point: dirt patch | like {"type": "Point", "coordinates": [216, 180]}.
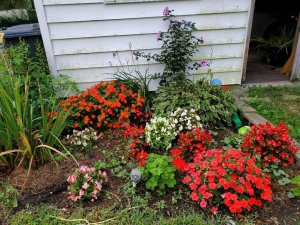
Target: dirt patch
{"type": "Point", "coordinates": [291, 97]}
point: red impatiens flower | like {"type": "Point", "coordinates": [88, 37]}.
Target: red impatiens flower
{"type": "Point", "coordinates": [217, 173]}
{"type": "Point", "coordinates": [272, 142]}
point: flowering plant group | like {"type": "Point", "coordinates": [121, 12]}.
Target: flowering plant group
{"type": "Point", "coordinates": [84, 138]}
{"type": "Point", "coordinates": [105, 105]}
{"type": "Point", "coordinates": [272, 143]}
{"type": "Point", "coordinates": [86, 183]}
{"type": "Point", "coordinates": [185, 119]}
{"type": "Point", "coordinates": [229, 178]}
{"type": "Point", "coordinates": [189, 144]}
{"type": "Point", "coordinates": [179, 45]}
{"type": "Point", "coordinates": [160, 132]}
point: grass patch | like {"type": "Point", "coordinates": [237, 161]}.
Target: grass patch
{"type": "Point", "coordinates": [51, 215]}
{"type": "Point", "coordinates": [278, 104]}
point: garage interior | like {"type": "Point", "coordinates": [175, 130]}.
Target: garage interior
{"type": "Point", "coordinates": [272, 46]}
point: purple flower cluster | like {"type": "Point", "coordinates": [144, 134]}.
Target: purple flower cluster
{"type": "Point", "coordinates": [203, 63]}
{"type": "Point", "coordinates": [166, 11]}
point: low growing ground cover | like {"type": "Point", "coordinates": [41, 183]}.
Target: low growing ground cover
{"type": "Point", "coordinates": [278, 104]}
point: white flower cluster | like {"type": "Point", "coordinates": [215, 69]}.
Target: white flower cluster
{"type": "Point", "coordinates": [83, 138]}
{"type": "Point", "coordinates": [185, 119]}
{"type": "Point", "coordinates": [160, 132]}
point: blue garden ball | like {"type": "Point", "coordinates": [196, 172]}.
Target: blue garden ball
{"type": "Point", "coordinates": [216, 82]}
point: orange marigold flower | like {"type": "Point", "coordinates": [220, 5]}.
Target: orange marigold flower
{"type": "Point", "coordinates": [76, 125]}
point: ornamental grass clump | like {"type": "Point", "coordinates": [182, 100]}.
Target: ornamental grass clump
{"type": "Point", "coordinates": [227, 178]}
{"type": "Point", "coordinates": [160, 132]}
{"type": "Point", "coordinates": [105, 105]}
{"type": "Point", "coordinates": [86, 183]}
{"type": "Point", "coordinates": [272, 143]}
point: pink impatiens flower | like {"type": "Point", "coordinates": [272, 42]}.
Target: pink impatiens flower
{"type": "Point", "coordinates": [214, 210]}
{"type": "Point", "coordinates": [203, 204]}
{"type": "Point", "coordinates": [85, 185]}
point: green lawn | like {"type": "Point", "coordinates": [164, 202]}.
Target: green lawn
{"type": "Point", "coordinates": [278, 104]}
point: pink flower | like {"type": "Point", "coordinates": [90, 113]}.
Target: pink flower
{"type": "Point", "coordinates": [166, 11]}
{"type": "Point", "coordinates": [203, 204]}
{"type": "Point", "coordinates": [159, 36]}
{"type": "Point", "coordinates": [214, 210]}
{"type": "Point", "coordinates": [203, 63]}
{"type": "Point", "coordinates": [81, 192]}
{"type": "Point", "coordinates": [85, 185]}
{"type": "Point", "coordinates": [72, 178]}
{"type": "Point", "coordinates": [194, 196]}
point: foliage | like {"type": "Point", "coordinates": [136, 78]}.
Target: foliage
{"type": "Point", "coordinates": [227, 178]}
{"type": "Point", "coordinates": [160, 132]}
{"type": "Point", "coordinates": [51, 215]}
{"type": "Point", "coordinates": [105, 105]}
{"type": "Point", "coordinates": [277, 174]}
{"type": "Point", "coordinates": [278, 104]}
{"type": "Point", "coordinates": [27, 138]}
{"type": "Point", "coordinates": [185, 119]}
{"type": "Point", "coordinates": [233, 141]}
{"type": "Point", "coordinates": [179, 45]}
{"type": "Point", "coordinates": [158, 172]}
{"type": "Point", "coordinates": [86, 183]}
{"type": "Point", "coordinates": [281, 42]}
{"type": "Point", "coordinates": [189, 144]}
{"type": "Point", "coordinates": [85, 138]}
{"type": "Point", "coordinates": [295, 192]}
{"type": "Point", "coordinates": [214, 105]}
{"type": "Point", "coordinates": [18, 62]}
{"type": "Point", "coordinates": [272, 143]}
{"type": "Point", "coordinates": [8, 195]}
{"type": "Point", "coordinates": [136, 79]}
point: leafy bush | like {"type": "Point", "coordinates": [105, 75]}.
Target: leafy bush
{"type": "Point", "coordinates": [179, 45]}
{"type": "Point", "coordinates": [227, 178]}
{"type": "Point", "coordinates": [160, 132]}
{"type": "Point", "coordinates": [214, 106]}
{"type": "Point", "coordinates": [84, 138]}
{"type": "Point", "coordinates": [18, 62]}
{"type": "Point", "coordinates": [158, 172]}
{"type": "Point", "coordinates": [272, 143]}
{"type": "Point", "coordinates": [185, 119]}
{"type": "Point", "coordinates": [105, 105]}
{"type": "Point", "coordinates": [86, 184]}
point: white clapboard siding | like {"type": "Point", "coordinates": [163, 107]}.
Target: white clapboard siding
{"type": "Point", "coordinates": [139, 42]}
{"type": "Point", "coordinates": [138, 26]}
{"type": "Point", "coordinates": [82, 35]}
{"type": "Point", "coordinates": [90, 12]}
{"type": "Point", "coordinates": [78, 61]}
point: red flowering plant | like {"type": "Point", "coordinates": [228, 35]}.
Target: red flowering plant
{"type": "Point", "coordinates": [134, 136]}
{"type": "Point", "coordinates": [227, 178]}
{"type": "Point", "coordinates": [105, 105]}
{"type": "Point", "coordinates": [272, 143]}
{"type": "Point", "coordinates": [190, 143]}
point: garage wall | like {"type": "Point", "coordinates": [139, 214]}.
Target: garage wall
{"type": "Point", "coordinates": [80, 36]}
